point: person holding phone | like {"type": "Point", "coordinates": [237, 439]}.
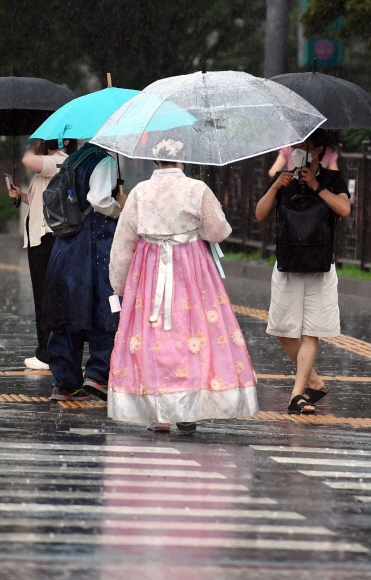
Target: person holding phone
{"type": "Point", "coordinates": [43, 157]}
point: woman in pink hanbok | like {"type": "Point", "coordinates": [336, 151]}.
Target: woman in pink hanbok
{"type": "Point", "coordinates": [179, 354]}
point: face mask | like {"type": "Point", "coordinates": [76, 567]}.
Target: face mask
{"type": "Point", "coordinates": [299, 156]}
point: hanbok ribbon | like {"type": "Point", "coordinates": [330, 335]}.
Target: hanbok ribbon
{"type": "Point", "coordinates": [164, 287]}
{"type": "Point", "coordinates": [217, 253]}
{"type": "Point", "coordinates": [165, 278]}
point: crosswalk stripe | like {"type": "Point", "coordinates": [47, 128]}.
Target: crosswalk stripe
{"type": "Point", "coordinates": [336, 474]}
{"type": "Point", "coordinates": [98, 459]}
{"type": "Point", "coordinates": [162, 525]}
{"type": "Point", "coordinates": [91, 448]}
{"type": "Point", "coordinates": [348, 485]}
{"type": "Point", "coordinates": [117, 483]}
{"type": "Point", "coordinates": [142, 497]}
{"type": "Point", "coordinates": [316, 450]}
{"type": "Point", "coordinates": [318, 461]}
{"type": "Point", "coordinates": [153, 472]}
{"type": "Point", "coordinates": [181, 541]}
{"type": "Point", "coordinates": [148, 511]}
{"type": "Point", "coordinates": [363, 498]}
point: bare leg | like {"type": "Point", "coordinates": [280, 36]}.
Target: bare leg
{"type": "Point", "coordinates": [302, 351]}
{"type": "Point", "coordinates": [305, 360]}
{"type": "Point", "coordinates": [291, 346]}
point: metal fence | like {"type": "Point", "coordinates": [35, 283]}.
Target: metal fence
{"type": "Point", "coordinates": [239, 187]}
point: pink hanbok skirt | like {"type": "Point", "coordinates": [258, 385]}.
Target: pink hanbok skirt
{"type": "Point", "coordinates": [200, 369]}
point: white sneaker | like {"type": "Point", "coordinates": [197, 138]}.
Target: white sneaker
{"type": "Point", "coordinates": [35, 364]}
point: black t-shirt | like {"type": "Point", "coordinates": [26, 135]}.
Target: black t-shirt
{"type": "Point", "coordinates": [328, 178]}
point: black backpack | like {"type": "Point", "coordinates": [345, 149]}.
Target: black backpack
{"type": "Point", "coordinates": [305, 233]}
{"type": "Point", "coordinates": [60, 204]}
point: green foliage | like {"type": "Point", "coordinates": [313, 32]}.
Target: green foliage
{"type": "Point", "coordinates": [7, 212]}
{"type": "Point", "coordinates": [353, 271]}
{"type": "Point", "coordinates": [138, 42]}
{"type": "Point", "coordinates": [345, 270]}
{"type": "Point", "coordinates": [319, 19]}
{"type": "Point", "coordinates": [236, 256]}
{"type": "Point", "coordinates": [252, 256]}
{"type": "Point", "coordinates": [320, 16]}
{"type": "Point", "coordinates": [353, 139]}
{"type": "Point", "coordinates": [271, 260]}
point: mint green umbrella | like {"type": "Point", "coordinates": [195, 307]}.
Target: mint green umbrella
{"type": "Point", "coordinates": [84, 116]}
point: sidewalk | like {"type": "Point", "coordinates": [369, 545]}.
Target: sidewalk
{"type": "Point", "coordinates": [268, 498]}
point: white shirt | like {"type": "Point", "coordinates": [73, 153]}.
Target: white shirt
{"type": "Point", "coordinates": [36, 225]}
{"type": "Point", "coordinates": [102, 181]}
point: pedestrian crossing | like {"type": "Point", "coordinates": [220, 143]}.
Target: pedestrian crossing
{"type": "Point", "coordinates": [348, 479]}
{"type": "Point", "coordinates": [143, 496]}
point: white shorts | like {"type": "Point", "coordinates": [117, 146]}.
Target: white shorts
{"type": "Point", "coordinates": [304, 304]}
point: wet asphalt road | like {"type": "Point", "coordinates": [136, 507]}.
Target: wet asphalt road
{"type": "Point", "coordinates": [83, 497]}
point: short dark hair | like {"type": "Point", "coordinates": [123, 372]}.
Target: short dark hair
{"type": "Point", "coordinates": [319, 138]}
{"type": "Point", "coordinates": [53, 144]}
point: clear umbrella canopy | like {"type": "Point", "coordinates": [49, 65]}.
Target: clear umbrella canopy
{"type": "Point", "coordinates": [217, 117]}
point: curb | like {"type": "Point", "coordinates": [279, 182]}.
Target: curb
{"type": "Point", "coordinates": [263, 273]}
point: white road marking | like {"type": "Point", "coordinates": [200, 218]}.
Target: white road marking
{"type": "Point", "coordinates": [103, 471]}
{"type": "Point", "coordinates": [337, 474]}
{"type": "Point", "coordinates": [96, 459]}
{"type": "Point", "coordinates": [348, 485]}
{"type": "Point", "coordinates": [191, 542]}
{"type": "Point", "coordinates": [142, 497]}
{"type": "Point", "coordinates": [363, 498]}
{"type": "Point", "coordinates": [166, 525]}
{"type": "Point", "coordinates": [78, 447]}
{"type": "Point", "coordinates": [106, 483]}
{"type": "Point", "coordinates": [316, 450]}
{"type": "Point", "coordinates": [317, 461]}
{"type": "Point", "coordinates": [148, 511]}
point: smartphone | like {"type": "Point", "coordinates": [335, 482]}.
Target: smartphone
{"type": "Point", "coordinates": [8, 181]}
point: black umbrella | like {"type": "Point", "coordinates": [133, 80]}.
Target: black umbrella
{"type": "Point", "coordinates": [345, 104]}
{"type": "Point", "coordinates": [25, 103]}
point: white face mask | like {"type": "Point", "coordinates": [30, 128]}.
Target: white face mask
{"type": "Point", "coordinates": [299, 156]}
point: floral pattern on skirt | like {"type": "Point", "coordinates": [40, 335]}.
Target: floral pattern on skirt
{"type": "Point", "coordinates": [200, 368]}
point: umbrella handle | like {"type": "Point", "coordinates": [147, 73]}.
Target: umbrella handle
{"type": "Point", "coordinates": [120, 183]}
{"type": "Point", "coordinates": [17, 201]}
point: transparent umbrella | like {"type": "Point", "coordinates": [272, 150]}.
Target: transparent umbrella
{"type": "Point", "coordinates": [219, 117]}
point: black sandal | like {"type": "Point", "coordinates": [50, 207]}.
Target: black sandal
{"type": "Point", "coordinates": [314, 395]}
{"type": "Point", "coordinates": [296, 408]}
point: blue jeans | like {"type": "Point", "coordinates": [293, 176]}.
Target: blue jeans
{"type": "Point", "coordinates": [65, 350]}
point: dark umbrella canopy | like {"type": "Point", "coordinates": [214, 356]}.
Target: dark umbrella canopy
{"type": "Point", "coordinates": [345, 104]}
{"type": "Point", "coordinates": [25, 103]}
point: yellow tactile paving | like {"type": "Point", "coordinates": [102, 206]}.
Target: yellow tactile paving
{"type": "Point", "coordinates": [262, 416]}
{"type": "Point", "coordinates": [21, 398]}
{"type": "Point", "coordinates": [311, 419]}
{"type": "Point", "coordinates": [254, 312]}
{"type": "Point", "coordinates": [343, 341]}
{"type": "Point", "coordinates": [14, 268]}
{"type": "Point", "coordinates": [343, 378]}
{"type": "Point", "coordinates": [352, 344]}
{"type": "Point", "coordinates": [26, 372]}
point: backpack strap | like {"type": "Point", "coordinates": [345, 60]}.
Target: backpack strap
{"type": "Point", "coordinates": [87, 211]}
{"type": "Point", "coordinates": [84, 155]}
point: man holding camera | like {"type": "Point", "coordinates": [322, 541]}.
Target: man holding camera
{"type": "Point", "coordinates": [304, 297]}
